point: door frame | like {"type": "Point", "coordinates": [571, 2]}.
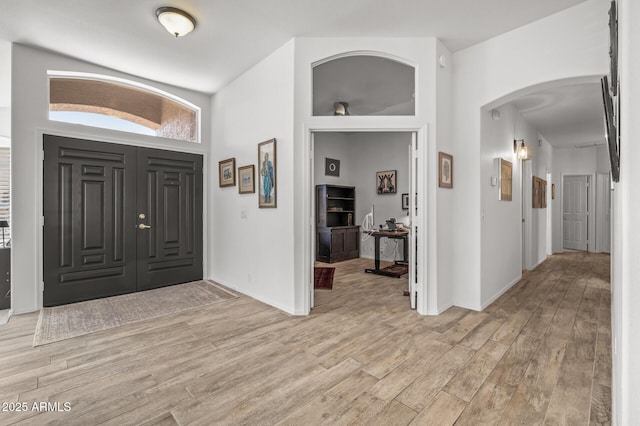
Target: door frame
{"type": "Point", "coordinates": [591, 205]}
{"type": "Point", "coordinates": [39, 202]}
{"type": "Point", "coordinates": [427, 153]}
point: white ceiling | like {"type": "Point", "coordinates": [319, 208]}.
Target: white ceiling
{"type": "Point", "coordinates": [232, 36]}
{"type": "Point", "coordinates": [566, 116]}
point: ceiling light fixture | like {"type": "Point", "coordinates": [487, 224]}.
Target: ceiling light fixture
{"type": "Point", "coordinates": [176, 21]}
{"type": "Point", "coordinates": [341, 108]}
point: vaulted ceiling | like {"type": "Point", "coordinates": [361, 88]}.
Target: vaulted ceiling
{"type": "Point", "coordinates": [232, 36]}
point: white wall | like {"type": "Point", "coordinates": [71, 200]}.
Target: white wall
{"type": "Point", "coordinates": [502, 227]}
{"type": "Point", "coordinates": [334, 145]}
{"type": "Point", "coordinates": [576, 161]}
{"type": "Point", "coordinates": [442, 293]}
{"type": "Point", "coordinates": [374, 152]}
{"type": "Point", "coordinates": [30, 107]}
{"type": "Point", "coordinates": [626, 228]}
{"type": "Point", "coordinates": [542, 157]}
{"type": "Point", "coordinates": [5, 92]}
{"type": "Point", "coordinates": [540, 52]}
{"type": "Point", "coordinates": [254, 255]}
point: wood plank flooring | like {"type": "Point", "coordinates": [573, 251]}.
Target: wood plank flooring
{"type": "Point", "coordinates": [541, 354]}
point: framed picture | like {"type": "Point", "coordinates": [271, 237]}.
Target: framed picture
{"type": "Point", "coordinates": [445, 170]}
{"type": "Point", "coordinates": [553, 191]}
{"type": "Point", "coordinates": [505, 173]}
{"type": "Point", "coordinates": [227, 172]}
{"type": "Point", "coordinates": [267, 171]}
{"type": "Point", "coordinates": [539, 200]}
{"type": "Point", "coordinates": [246, 179]}
{"type": "Point", "coordinates": [331, 167]}
{"type": "Point", "coordinates": [386, 182]}
{"type": "Point", "coordinates": [405, 201]}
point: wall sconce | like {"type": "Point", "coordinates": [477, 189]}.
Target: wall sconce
{"type": "Point", "coordinates": [176, 21]}
{"type": "Point", "coordinates": [341, 108]}
{"type": "Point", "coordinates": [520, 151]}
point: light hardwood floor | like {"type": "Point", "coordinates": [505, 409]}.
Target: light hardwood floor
{"type": "Point", "coordinates": [539, 354]}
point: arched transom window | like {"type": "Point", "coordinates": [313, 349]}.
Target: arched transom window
{"type": "Point", "coordinates": [106, 102]}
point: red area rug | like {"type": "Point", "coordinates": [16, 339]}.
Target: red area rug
{"type": "Point", "coordinates": [323, 277]}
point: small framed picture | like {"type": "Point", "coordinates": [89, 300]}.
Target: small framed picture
{"type": "Point", "coordinates": [331, 167]}
{"type": "Point", "coordinates": [445, 170]}
{"type": "Point", "coordinates": [227, 172]}
{"type": "Point", "coordinates": [267, 172]}
{"type": "Point", "coordinates": [386, 182]}
{"type": "Point", "coordinates": [246, 179]}
{"type": "Point", "coordinates": [405, 201]}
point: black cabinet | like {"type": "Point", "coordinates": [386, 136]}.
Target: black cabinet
{"type": "Point", "coordinates": [5, 278]}
{"type": "Point", "coordinates": [337, 238]}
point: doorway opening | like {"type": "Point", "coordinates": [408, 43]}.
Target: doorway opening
{"type": "Point", "coordinates": [364, 222]}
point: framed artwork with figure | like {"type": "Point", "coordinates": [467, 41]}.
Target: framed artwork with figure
{"type": "Point", "coordinates": [267, 189]}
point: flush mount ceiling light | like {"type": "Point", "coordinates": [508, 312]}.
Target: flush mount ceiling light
{"type": "Point", "coordinates": [176, 21]}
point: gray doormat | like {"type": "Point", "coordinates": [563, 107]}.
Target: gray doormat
{"type": "Point", "coordinates": [77, 319]}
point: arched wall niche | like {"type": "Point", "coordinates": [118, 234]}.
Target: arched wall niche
{"type": "Point", "coordinates": [367, 83]}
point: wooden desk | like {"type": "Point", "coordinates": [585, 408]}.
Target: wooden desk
{"type": "Point", "coordinates": [397, 234]}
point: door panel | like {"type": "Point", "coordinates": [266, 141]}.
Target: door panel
{"type": "Point", "coordinates": [93, 195]}
{"type": "Point", "coordinates": [88, 252]}
{"type": "Point", "coordinates": [575, 212]}
{"type": "Point", "coordinates": [169, 197]}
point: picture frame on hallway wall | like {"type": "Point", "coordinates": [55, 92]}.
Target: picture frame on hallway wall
{"type": "Point", "coordinates": [505, 175]}
{"type": "Point", "coordinates": [445, 170]}
{"type": "Point", "coordinates": [227, 172]}
{"type": "Point", "coordinates": [386, 182]}
{"type": "Point", "coordinates": [246, 179]}
{"type": "Point", "coordinates": [405, 201]}
{"type": "Point", "coordinates": [267, 174]}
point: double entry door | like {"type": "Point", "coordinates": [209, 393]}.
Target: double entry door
{"type": "Point", "coordinates": [118, 219]}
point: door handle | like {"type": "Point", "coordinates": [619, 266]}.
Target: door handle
{"type": "Point", "coordinates": [143, 226]}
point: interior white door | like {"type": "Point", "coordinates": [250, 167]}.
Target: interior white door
{"type": "Point", "coordinates": [413, 220]}
{"type": "Point", "coordinates": [575, 212]}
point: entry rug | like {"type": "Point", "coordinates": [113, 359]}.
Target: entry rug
{"type": "Point", "coordinates": [78, 319]}
{"type": "Point", "coordinates": [323, 277]}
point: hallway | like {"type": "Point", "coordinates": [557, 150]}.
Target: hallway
{"type": "Point", "coordinates": [540, 353]}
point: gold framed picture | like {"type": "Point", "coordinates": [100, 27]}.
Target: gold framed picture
{"type": "Point", "coordinates": [505, 174]}
{"type": "Point", "coordinates": [227, 172]}
{"type": "Point", "coordinates": [445, 170]}
{"type": "Point", "coordinates": [246, 179]}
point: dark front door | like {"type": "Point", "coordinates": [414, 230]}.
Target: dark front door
{"type": "Point", "coordinates": [94, 196]}
{"type": "Point", "coordinates": [169, 218]}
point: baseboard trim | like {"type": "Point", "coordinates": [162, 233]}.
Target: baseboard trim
{"type": "Point", "coordinates": [256, 297]}
{"type": "Point", "coordinates": [500, 293]}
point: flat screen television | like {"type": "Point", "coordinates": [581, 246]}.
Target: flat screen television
{"type": "Point", "coordinates": [610, 130]}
